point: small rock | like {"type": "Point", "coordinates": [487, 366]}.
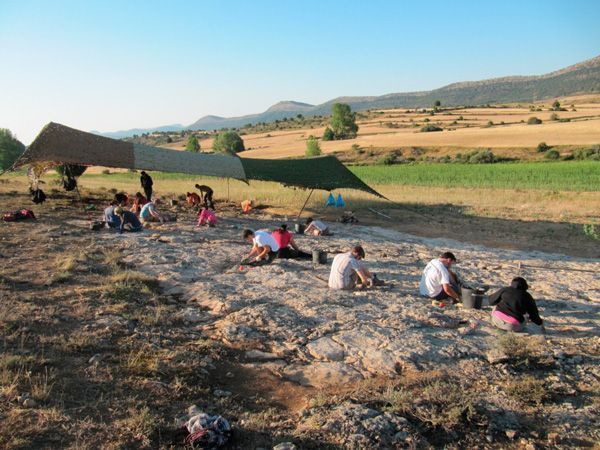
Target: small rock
{"type": "Point", "coordinates": [511, 434]}
{"type": "Point", "coordinates": [221, 393]}
{"type": "Point", "coordinates": [496, 356]}
{"type": "Point", "coordinates": [285, 446]}
{"type": "Point", "coordinates": [553, 437]}
{"type": "Point", "coordinates": [94, 360]}
{"type": "Point", "coordinates": [29, 403]}
{"type": "Point", "coordinates": [229, 375]}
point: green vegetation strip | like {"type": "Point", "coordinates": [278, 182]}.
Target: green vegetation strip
{"type": "Point", "coordinates": [563, 176]}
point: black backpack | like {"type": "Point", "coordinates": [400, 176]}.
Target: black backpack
{"type": "Point", "coordinates": [38, 196]}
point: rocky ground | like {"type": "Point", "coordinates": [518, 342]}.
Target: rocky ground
{"type": "Point", "coordinates": [113, 337]}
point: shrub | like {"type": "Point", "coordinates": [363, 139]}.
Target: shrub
{"type": "Point", "coordinates": [534, 121]}
{"type": "Point", "coordinates": [192, 144]}
{"type": "Point", "coordinates": [228, 142]}
{"type": "Point", "coordinates": [106, 172]}
{"type": "Point", "coordinates": [430, 128]}
{"type": "Point", "coordinates": [553, 116]}
{"type": "Point", "coordinates": [543, 147]}
{"type": "Point", "coordinates": [482, 157]}
{"type": "Point", "coordinates": [388, 159]}
{"type": "Point", "coordinates": [490, 124]}
{"type": "Point", "coordinates": [552, 154]}
{"type": "Point", "coordinates": [312, 147]}
{"type": "Point", "coordinates": [527, 390]}
{"type": "Point", "coordinates": [328, 134]}
{"type": "Point", "coordinates": [592, 153]}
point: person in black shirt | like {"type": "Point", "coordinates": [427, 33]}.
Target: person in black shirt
{"type": "Point", "coordinates": [146, 182]}
{"type": "Point", "coordinates": [207, 195]}
{"type": "Point", "coordinates": [511, 305]}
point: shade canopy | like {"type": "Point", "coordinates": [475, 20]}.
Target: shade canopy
{"type": "Point", "coordinates": [59, 144]}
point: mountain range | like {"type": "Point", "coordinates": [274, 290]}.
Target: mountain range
{"type": "Point", "coordinates": [580, 78]}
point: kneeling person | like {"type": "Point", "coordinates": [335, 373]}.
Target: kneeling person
{"type": "Point", "coordinates": [348, 271]}
{"type": "Point", "coordinates": [438, 281]}
{"type": "Point", "coordinates": [263, 246]}
{"type": "Point", "coordinates": [511, 304]}
{"type": "Point", "coordinates": [129, 221]}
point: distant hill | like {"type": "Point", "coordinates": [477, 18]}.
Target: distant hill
{"type": "Point", "coordinates": [127, 133]}
{"type": "Point", "coordinates": [277, 111]}
{"type": "Point", "coordinates": [580, 78]}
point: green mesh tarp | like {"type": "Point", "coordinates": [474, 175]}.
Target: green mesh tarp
{"type": "Point", "coordinates": [59, 144]}
{"type": "Point", "coordinates": [323, 172]}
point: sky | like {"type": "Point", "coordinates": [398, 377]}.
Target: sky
{"type": "Point", "coordinates": [111, 65]}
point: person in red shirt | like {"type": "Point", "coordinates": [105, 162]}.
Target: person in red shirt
{"type": "Point", "coordinates": [287, 247]}
{"type": "Point", "coordinates": [138, 201]}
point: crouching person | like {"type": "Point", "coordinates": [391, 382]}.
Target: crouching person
{"type": "Point", "coordinates": [348, 270]}
{"type": "Point", "coordinates": [264, 247]}
{"type": "Point", "coordinates": [207, 217]}
{"type": "Point", "coordinates": [511, 304]}
{"type": "Point", "coordinates": [438, 282]}
{"type": "Point", "coordinates": [129, 221]}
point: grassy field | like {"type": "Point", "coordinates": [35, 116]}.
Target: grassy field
{"type": "Point", "coordinates": [502, 129]}
{"type": "Point", "coordinates": [563, 176]}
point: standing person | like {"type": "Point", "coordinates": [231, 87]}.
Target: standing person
{"type": "Point", "coordinates": [207, 195]}
{"type": "Point", "coordinates": [285, 240]}
{"type": "Point", "coordinates": [316, 228]}
{"type": "Point", "coordinates": [438, 281]}
{"type": "Point", "coordinates": [511, 304]}
{"type": "Point", "coordinates": [348, 270]}
{"type": "Point", "coordinates": [263, 246]}
{"type": "Point", "coordinates": [129, 221]}
{"type": "Point", "coordinates": [146, 182]}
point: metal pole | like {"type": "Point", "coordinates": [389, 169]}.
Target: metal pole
{"type": "Point", "coordinates": [304, 206]}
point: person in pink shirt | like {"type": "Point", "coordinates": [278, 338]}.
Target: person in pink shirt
{"type": "Point", "coordinates": [207, 217]}
{"type": "Point", "coordinates": [287, 247]}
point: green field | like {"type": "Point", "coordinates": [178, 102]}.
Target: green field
{"type": "Point", "coordinates": [560, 176]}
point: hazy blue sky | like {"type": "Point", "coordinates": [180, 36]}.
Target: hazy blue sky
{"type": "Point", "coordinates": [110, 65]}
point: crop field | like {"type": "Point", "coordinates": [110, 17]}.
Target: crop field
{"type": "Point", "coordinates": [563, 176]}
{"type": "Point", "coordinates": [503, 129]}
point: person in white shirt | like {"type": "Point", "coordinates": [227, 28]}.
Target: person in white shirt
{"type": "Point", "coordinates": [316, 227]}
{"type": "Point", "coordinates": [438, 281]}
{"type": "Point", "coordinates": [264, 246]}
{"type": "Point", "coordinates": [348, 270]}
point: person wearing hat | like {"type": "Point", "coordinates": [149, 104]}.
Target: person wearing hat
{"type": "Point", "coordinates": [438, 282]}
{"type": "Point", "coordinates": [129, 221]}
{"type": "Point", "coordinates": [511, 304]}
{"type": "Point", "coordinates": [348, 270]}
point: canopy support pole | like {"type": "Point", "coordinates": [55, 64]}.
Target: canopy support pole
{"type": "Point", "coordinates": [227, 189]}
{"type": "Point", "coordinates": [304, 206]}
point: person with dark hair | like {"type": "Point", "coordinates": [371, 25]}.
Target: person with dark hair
{"type": "Point", "coordinates": [348, 270]}
{"type": "Point", "coordinates": [287, 247]}
{"type": "Point", "coordinates": [207, 195]}
{"type": "Point", "coordinates": [128, 220]}
{"type": "Point", "coordinates": [121, 199]}
{"type": "Point", "coordinates": [263, 246]}
{"type": "Point", "coordinates": [138, 202]}
{"type": "Point", "coordinates": [316, 227]}
{"type": "Point", "coordinates": [147, 183]}
{"type": "Point", "coordinates": [111, 219]}
{"type": "Point", "coordinates": [438, 282]}
{"type": "Point", "coordinates": [511, 304]}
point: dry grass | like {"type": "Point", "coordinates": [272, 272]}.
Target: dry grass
{"type": "Point", "coordinates": [508, 136]}
{"type": "Point", "coordinates": [527, 390]}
